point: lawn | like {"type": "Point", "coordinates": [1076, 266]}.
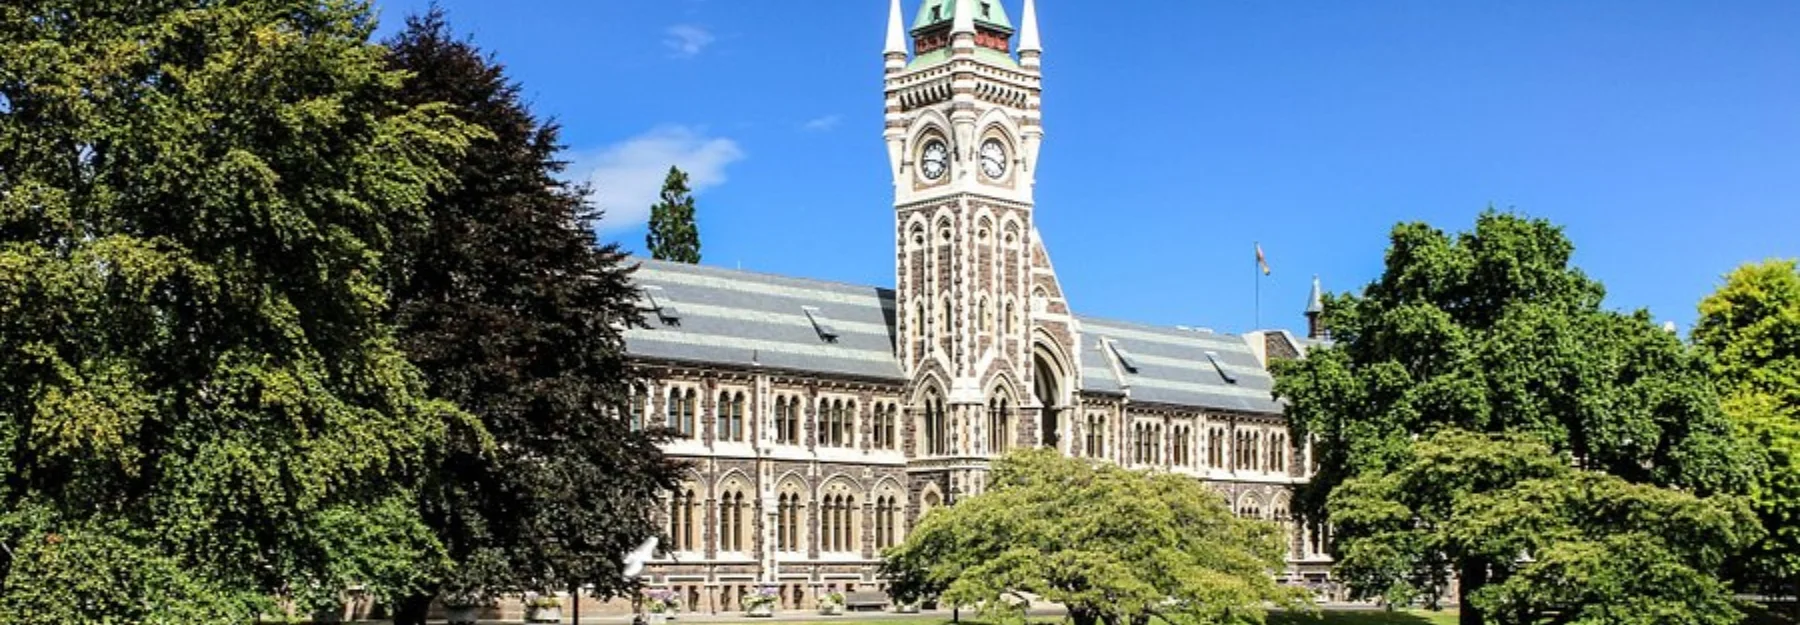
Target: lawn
{"type": "Point", "coordinates": [1346, 617]}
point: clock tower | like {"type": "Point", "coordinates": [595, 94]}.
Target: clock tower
{"type": "Point", "coordinates": [983, 332]}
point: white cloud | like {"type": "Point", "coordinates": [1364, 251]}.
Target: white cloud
{"type": "Point", "coordinates": [823, 124]}
{"type": "Point", "coordinates": [687, 40]}
{"type": "Point", "coordinates": [627, 177]}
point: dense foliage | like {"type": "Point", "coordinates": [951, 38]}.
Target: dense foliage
{"type": "Point", "coordinates": [514, 312]}
{"type": "Point", "coordinates": [1493, 331]}
{"type": "Point", "coordinates": [673, 233]}
{"type": "Point", "coordinates": [201, 404]}
{"type": "Point", "coordinates": [1751, 327]}
{"type": "Point", "coordinates": [1115, 546]}
{"type": "Point", "coordinates": [1539, 540]}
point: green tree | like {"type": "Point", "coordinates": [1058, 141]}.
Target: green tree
{"type": "Point", "coordinates": [1493, 331]}
{"type": "Point", "coordinates": [673, 233]}
{"type": "Point", "coordinates": [1751, 328]}
{"type": "Point", "coordinates": [512, 310]}
{"type": "Point", "coordinates": [1539, 540]}
{"type": "Point", "coordinates": [201, 406]}
{"type": "Point", "coordinates": [1115, 546]}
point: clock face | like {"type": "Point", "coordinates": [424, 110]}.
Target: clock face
{"type": "Point", "coordinates": [993, 158]}
{"type": "Point", "coordinates": [935, 160]}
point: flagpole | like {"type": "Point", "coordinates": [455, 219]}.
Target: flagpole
{"type": "Point", "coordinates": [1256, 266]}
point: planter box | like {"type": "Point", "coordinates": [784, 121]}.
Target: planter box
{"type": "Point", "coordinates": [764, 610]}
{"type": "Point", "coordinates": [658, 618]}
{"type": "Point", "coordinates": [831, 610]}
{"type": "Point", "coordinates": [907, 608]}
{"type": "Point", "coordinates": [544, 615]}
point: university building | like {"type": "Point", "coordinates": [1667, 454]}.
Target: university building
{"type": "Point", "coordinates": [823, 419]}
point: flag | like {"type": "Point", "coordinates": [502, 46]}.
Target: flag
{"type": "Point", "coordinates": [1260, 261]}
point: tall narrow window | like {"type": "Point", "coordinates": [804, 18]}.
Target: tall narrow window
{"type": "Point", "coordinates": [999, 425]}
{"type": "Point", "coordinates": [638, 399]}
{"type": "Point", "coordinates": [689, 403]}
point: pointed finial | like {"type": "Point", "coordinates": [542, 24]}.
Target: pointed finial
{"type": "Point", "coordinates": [1315, 303]}
{"type": "Point", "coordinates": [1028, 29]}
{"type": "Point", "coordinates": [965, 17]}
{"type": "Point", "coordinates": [896, 31]}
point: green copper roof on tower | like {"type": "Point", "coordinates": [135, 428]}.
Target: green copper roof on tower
{"type": "Point", "coordinates": [987, 12]}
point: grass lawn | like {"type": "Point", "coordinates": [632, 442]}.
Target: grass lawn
{"type": "Point", "coordinates": [1347, 617]}
{"type": "Point", "coordinates": [1365, 617]}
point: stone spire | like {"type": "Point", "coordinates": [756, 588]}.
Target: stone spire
{"type": "Point", "coordinates": [895, 51]}
{"type": "Point", "coordinates": [1315, 308]}
{"type": "Point", "coordinates": [1028, 30]}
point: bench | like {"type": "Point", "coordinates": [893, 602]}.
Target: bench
{"type": "Point", "coordinates": [865, 600]}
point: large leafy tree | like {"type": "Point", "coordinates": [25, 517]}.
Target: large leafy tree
{"type": "Point", "coordinates": [514, 312]}
{"type": "Point", "coordinates": [1115, 546]}
{"type": "Point", "coordinates": [1751, 328]}
{"type": "Point", "coordinates": [1493, 331]}
{"type": "Point", "coordinates": [673, 233]}
{"type": "Point", "coordinates": [201, 405]}
{"type": "Point", "coordinates": [1539, 540]}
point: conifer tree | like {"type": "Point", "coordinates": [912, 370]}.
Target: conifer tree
{"type": "Point", "coordinates": [673, 233]}
{"type": "Point", "coordinates": [513, 311]}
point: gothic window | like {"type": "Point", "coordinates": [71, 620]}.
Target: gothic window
{"type": "Point", "coordinates": [944, 316]}
{"type": "Point", "coordinates": [790, 513]}
{"type": "Point", "coordinates": [883, 426]}
{"type": "Point", "coordinates": [731, 417]}
{"type": "Point", "coordinates": [734, 519]}
{"type": "Point", "coordinates": [919, 321]}
{"type": "Point", "coordinates": [837, 523]}
{"type": "Point", "coordinates": [1011, 319]}
{"type": "Point", "coordinates": [937, 437]}
{"type": "Point", "coordinates": [981, 313]}
{"type": "Point", "coordinates": [787, 421]}
{"type": "Point", "coordinates": [681, 410]}
{"type": "Point", "coordinates": [684, 516]}
{"type": "Point", "coordinates": [887, 519]}
{"type": "Point", "coordinates": [999, 425]}
{"type": "Point", "coordinates": [638, 401]}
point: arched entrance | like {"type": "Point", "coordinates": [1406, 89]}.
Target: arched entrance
{"type": "Point", "coordinates": [1048, 379]}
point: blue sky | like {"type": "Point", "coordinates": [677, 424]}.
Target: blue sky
{"type": "Point", "coordinates": [1665, 136]}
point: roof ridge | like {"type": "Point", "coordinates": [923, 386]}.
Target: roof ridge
{"type": "Point", "coordinates": [672, 265]}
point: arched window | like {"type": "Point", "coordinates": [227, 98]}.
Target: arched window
{"type": "Point", "coordinates": [999, 425]}
{"type": "Point", "coordinates": [731, 417]}
{"type": "Point", "coordinates": [787, 421]}
{"type": "Point", "coordinates": [638, 401]}
{"type": "Point", "coordinates": [734, 519]}
{"type": "Point", "coordinates": [981, 315]}
{"type": "Point", "coordinates": [690, 408]}
{"type": "Point", "coordinates": [790, 515]}
{"type": "Point", "coordinates": [684, 509]}
{"type": "Point", "coordinates": [937, 441]}
{"type": "Point", "coordinates": [1011, 320]}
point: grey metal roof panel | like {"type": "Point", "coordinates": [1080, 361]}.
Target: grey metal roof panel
{"type": "Point", "coordinates": [1172, 366]}
{"type": "Point", "coordinates": [742, 318]}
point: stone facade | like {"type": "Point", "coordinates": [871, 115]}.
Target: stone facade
{"type": "Point", "coordinates": [799, 478]}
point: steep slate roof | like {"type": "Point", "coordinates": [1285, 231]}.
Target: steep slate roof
{"type": "Point", "coordinates": [732, 317]}
{"type": "Point", "coordinates": [742, 318]}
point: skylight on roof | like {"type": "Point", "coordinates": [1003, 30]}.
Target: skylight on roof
{"type": "Point", "coordinates": [659, 302]}
{"type": "Point", "coordinates": [1125, 358]}
{"type": "Point", "coordinates": [821, 324]}
{"type": "Point", "coordinates": [1213, 357]}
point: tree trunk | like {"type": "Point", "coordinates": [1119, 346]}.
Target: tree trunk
{"type": "Point", "coordinates": [1473, 576]}
{"type": "Point", "coordinates": [1082, 615]}
{"type": "Point", "coordinates": [412, 610]}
